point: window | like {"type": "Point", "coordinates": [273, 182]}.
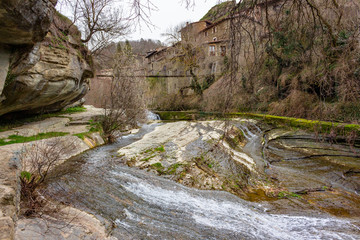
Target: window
{"type": "Point", "coordinates": [212, 50]}
{"type": "Point", "coordinates": [214, 39]}
{"type": "Point", "coordinates": [223, 50]}
{"type": "Point", "coordinates": [205, 33]}
{"type": "Point", "coordinates": [214, 30]}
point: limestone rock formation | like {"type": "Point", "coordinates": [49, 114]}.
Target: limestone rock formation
{"type": "Point", "coordinates": [44, 65]}
{"type": "Point", "coordinates": [25, 21]}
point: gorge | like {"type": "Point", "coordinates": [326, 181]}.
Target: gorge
{"type": "Point", "coordinates": [182, 143]}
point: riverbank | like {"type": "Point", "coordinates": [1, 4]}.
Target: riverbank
{"type": "Point", "coordinates": [287, 172]}
{"type": "Point", "coordinates": [71, 128]}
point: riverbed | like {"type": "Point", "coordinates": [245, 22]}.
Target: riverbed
{"type": "Point", "coordinates": [118, 184]}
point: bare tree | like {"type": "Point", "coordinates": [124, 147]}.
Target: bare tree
{"type": "Point", "coordinates": [297, 54]}
{"type": "Point", "coordinates": [100, 21]}
{"type": "Point", "coordinates": [125, 105]}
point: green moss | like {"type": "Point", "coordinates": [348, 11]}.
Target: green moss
{"type": "Point", "coordinates": [298, 123]}
{"type": "Point", "coordinates": [81, 135]}
{"type": "Point", "coordinates": [21, 139]}
{"type": "Point", "coordinates": [9, 79]}
{"type": "Point", "coordinates": [63, 18]}
{"type": "Point", "coordinates": [177, 115]}
{"type": "Point", "coordinates": [148, 158]}
{"type": "Point", "coordinates": [172, 169]}
{"type": "Point", "coordinates": [217, 12]}
{"type": "Point", "coordinates": [87, 134]}
{"type": "Point", "coordinates": [158, 167]}
{"type": "Point", "coordinates": [152, 150]}
{"type": "Point", "coordinates": [285, 194]}
{"type": "Point", "coordinates": [160, 149]}
{"type": "Point", "coordinates": [305, 124]}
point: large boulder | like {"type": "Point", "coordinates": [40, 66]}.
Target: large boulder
{"type": "Point", "coordinates": [25, 21]}
{"type": "Point", "coordinates": [44, 65]}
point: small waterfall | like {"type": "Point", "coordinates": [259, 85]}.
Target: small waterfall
{"type": "Point", "coordinates": [255, 126]}
{"type": "Point", "coordinates": [247, 133]}
{"type": "Point", "coordinates": [152, 116]}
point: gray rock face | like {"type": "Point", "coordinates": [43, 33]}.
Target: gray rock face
{"type": "Point", "coordinates": [24, 21]}
{"type": "Point", "coordinates": [4, 65]}
{"type": "Point", "coordinates": [48, 69]}
{"type": "Point", "coordinates": [49, 78]}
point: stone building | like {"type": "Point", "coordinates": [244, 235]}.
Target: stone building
{"type": "Point", "coordinates": [209, 39]}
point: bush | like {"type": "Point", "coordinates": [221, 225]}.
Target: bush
{"type": "Point", "coordinates": [37, 159]}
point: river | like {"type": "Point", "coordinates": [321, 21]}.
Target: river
{"type": "Point", "coordinates": [142, 205]}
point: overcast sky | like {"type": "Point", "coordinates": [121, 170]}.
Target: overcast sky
{"type": "Point", "coordinates": [169, 14]}
{"type": "Point", "coordinates": [165, 14]}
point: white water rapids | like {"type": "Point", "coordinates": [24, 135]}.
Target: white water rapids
{"type": "Point", "coordinates": [223, 213]}
{"type": "Point", "coordinates": [144, 206]}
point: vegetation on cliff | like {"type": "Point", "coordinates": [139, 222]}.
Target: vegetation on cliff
{"type": "Point", "coordinates": [302, 63]}
{"type": "Point", "coordinates": [288, 57]}
{"type": "Point", "coordinates": [218, 12]}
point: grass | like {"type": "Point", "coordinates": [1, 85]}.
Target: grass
{"type": "Point", "coordinates": [6, 124]}
{"type": "Point", "coordinates": [73, 110]}
{"type": "Point", "coordinates": [94, 127]}
{"type": "Point", "coordinates": [82, 135]}
{"type": "Point", "coordinates": [21, 139]}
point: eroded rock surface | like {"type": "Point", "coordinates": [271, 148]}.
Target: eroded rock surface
{"type": "Point", "coordinates": [53, 75]}
{"type": "Point", "coordinates": [142, 205]}
{"type": "Point", "coordinates": [10, 168]}
{"type": "Point", "coordinates": [195, 154]}
{"type": "Point", "coordinates": [25, 21]}
{"type": "Point", "coordinates": [70, 223]}
{"type": "Point", "coordinates": [323, 172]}
{"type": "Point", "coordinates": [45, 65]}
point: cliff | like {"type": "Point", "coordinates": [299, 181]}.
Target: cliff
{"type": "Point", "coordinates": [218, 12]}
{"type": "Point", "coordinates": [44, 65]}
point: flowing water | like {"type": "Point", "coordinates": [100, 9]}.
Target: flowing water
{"type": "Point", "coordinates": [142, 205]}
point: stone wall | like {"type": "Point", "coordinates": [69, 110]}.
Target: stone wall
{"type": "Point", "coordinates": [100, 86]}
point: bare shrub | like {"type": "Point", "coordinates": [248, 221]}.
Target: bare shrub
{"type": "Point", "coordinates": [293, 46]}
{"type": "Point", "coordinates": [37, 159]}
{"type": "Point", "coordinates": [125, 105]}
{"type": "Point", "coordinates": [297, 104]}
